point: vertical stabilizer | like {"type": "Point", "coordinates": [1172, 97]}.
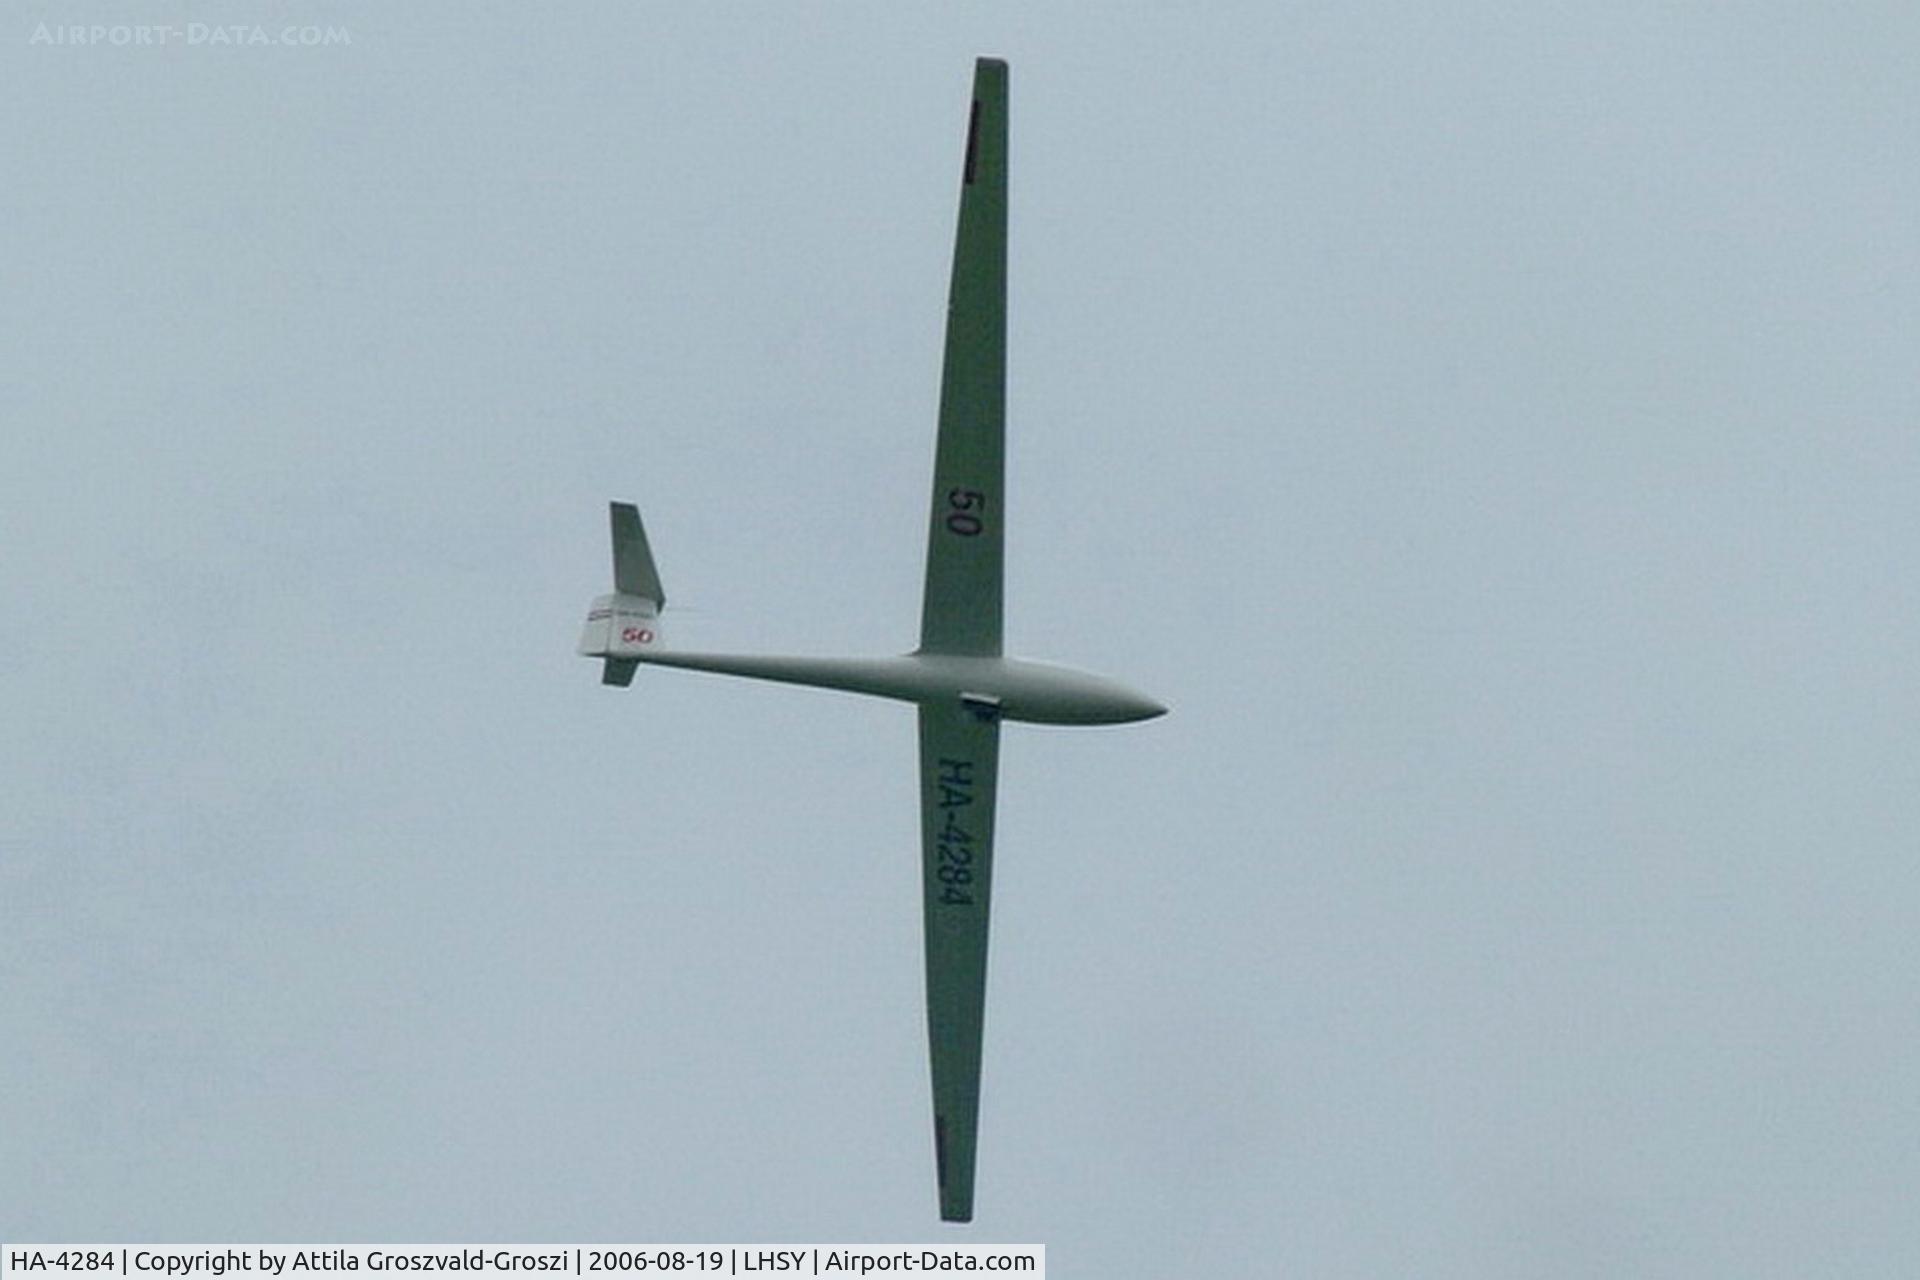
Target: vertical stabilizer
{"type": "Point", "coordinates": [626, 624]}
{"type": "Point", "coordinates": [633, 571]}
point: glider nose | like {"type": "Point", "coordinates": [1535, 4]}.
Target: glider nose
{"type": "Point", "coordinates": [1138, 706]}
{"type": "Point", "coordinates": [1125, 705]}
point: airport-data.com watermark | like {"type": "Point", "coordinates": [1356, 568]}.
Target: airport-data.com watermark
{"type": "Point", "coordinates": [186, 35]}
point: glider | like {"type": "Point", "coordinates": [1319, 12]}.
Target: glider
{"type": "Point", "coordinates": [957, 678]}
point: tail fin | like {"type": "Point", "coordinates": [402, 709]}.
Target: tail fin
{"type": "Point", "coordinates": [626, 624]}
{"type": "Point", "coordinates": [633, 571]}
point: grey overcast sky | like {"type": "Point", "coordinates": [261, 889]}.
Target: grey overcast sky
{"type": "Point", "coordinates": [1491, 428]}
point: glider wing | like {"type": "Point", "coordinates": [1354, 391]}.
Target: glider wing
{"type": "Point", "coordinates": [959, 764]}
{"type": "Point", "coordinates": [960, 611]}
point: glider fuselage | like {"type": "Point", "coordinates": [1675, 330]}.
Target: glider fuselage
{"type": "Point", "coordinates": [1004, 688]}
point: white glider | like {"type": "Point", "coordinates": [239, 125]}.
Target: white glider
{"type": "Point", "coordinates": [962, 685]}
